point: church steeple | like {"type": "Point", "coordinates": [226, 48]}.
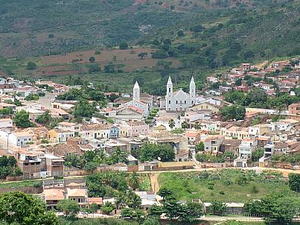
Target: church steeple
{"type": "Point", "coordinates": [169, 87]}
{"type": "Point", "coordinates": [136, 91]}
{"type": "Point", "coordinates": [192, 90]}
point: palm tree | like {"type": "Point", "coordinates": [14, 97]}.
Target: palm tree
{"type": "Point", "coordinates": [134, 180]}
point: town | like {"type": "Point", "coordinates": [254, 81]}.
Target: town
{"type": "Point", "coordinates": [75, 140]}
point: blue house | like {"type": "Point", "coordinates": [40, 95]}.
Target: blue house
{"type": "Point", "coordinates": [114, 132]}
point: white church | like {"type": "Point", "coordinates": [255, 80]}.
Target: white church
{"type": "Point", "coordinates": [142, 104]}
{"type": "Point", "coordinates": [179, 100]}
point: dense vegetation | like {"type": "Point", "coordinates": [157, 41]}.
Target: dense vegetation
{"type": "Point", "coordinates": [184, 37]}
{"type": "Point", "coordinates": [8, 167]}
{"type": "Point", "coordinates": [119, 185]}
{"type": "Point", "coordinates": [226, 185]}
{"type": "Point", "coordinates": [19, 208]}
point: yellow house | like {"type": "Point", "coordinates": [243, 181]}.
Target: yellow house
{"type": "Point", "coordinates": [207, 106]}
{"type": "Point", "coordinates": [60, 136]}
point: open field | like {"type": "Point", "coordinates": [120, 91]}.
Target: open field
{"type": "Point", "coordinates": [128, 58]}
{"type": "Point", "coordinates": [225, 185]}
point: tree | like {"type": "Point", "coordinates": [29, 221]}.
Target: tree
{"type": "Point", "coordinates": [233, 112]}
{"type": "Point", "coordinates": [151, 221]}
{"type": "Point", "coordinates": [155, 211]}
{"type": "Point", "coordinates": [127, 213]}
{"type": "Point", "coordinates": [199, 147]}
{"type": "Point", "coordinates": [123, 46]}
{"type": "Point", "coordinates": [190, 212]}
{"type": "Point", "coordinates": [294, 182]}
{"type": "Point", "coordinates": [107, 208]}
{"type": "Point", "coordinates": [257, 154]}
{"type": "Point", "coordinates": [21, 119]}
{"type": "Point", "coordinates": [84, 109]}
{"type": "Point", "coordinates": [20, 208]}
{"type": "Point", "coordinates": [180, 33]}
{"type": "Point", "coordinates": [133, 200]}
{"type": "Point", "coordinates": [197, 28]}
{"type": "Point", "coordinates": [92, 59]}
{"type": "Point", "coordinates": [31, 66]}
{"type": "Point", "coordinates": [142, 55]}
{"type": "Point", "coordinates": [164, 152]}
{"type": "Point", "coordinates": [164, 192]}
{"type": "Point", "coordinates": [184, 125]}
{"type": "Point", "coordinates": [171, 123]}
{"type": "Point", "coordinates": [119, 156]}
{"type": "Point", "coordinates": [134, 180]}
{"type": "Point", "coordinates": [94, 207]}
{"type": "Point", "coordinates": [69, 207]}
{"type": "Point", "coordinates": [217, 208]}
{"type": "Point", "coordinates": [45, 118]}
{"type": "Point", "coordinates": [91, 166]}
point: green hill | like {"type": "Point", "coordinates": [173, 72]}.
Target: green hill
{"type": "Point", "coordinates": [197, 36]}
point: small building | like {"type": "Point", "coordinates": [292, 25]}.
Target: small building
{"type": "Point", "coordinates": [52, 197]}
{"type": "Point", "coordinates": [20, 138]}
{"type": "Point", "coordinates": [6, 123]}
{"type": "Point", "coordinates": [78, 195]}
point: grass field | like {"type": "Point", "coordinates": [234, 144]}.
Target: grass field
{"type": "Point", "coordinates": [225, 185]}
{"type": "Point", "coordinates": [19, 184]}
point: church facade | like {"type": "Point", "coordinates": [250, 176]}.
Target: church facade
{"type": "Point", "coordinates": [179, 100]}
{"type": "Point", "coordinates": [138, 103]}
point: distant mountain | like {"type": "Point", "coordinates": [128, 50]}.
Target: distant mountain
{"type": "Point", "coordinates": [31, 28]}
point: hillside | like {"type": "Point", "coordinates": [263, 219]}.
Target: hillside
{"type": "Point", "coordinates": [180, 38]}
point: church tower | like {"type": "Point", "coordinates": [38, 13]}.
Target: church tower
{"type": "Point", "coordinates": [136, 92]}
{"type": "Point", "coordinates": [169, 87]}
{"type": "Point", "coordinates": [192, 91]}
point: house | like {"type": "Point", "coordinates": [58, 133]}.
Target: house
{"type": "Point", "coordinates": [59, 113]}
{"type": "Point", "coordinates": [25, 91]}
{"type": "Point", "coordinates": [52, 197]}
{"type": "Point", "coordinates": [78, 195]}
{"type": "Point", "coordinates": [245, 67]}
{"type": "Point", "coordinates": [294, 109]}
{"type": "Point", "coordinates": [74, 127]}
{"type": "Point", "coordinates": [4, 105]}
{"type": "Point", "coordinates": [30, 163]}
{"type": "Point", "coordinates": [60, 136]}
{"type": "Point", "coordinates": [54, 165]}
{"type": "Point", "coordinates": [230, 145]}
{"type": "Point", "coordinates": [39, 133]}
{"type": "Point", "coordinates": [246, 148]}
{"type": "Point", "coordinates": [6, 123]}
{"type": "Point", "coordinates": [148, 199]}
{"type": "Point", "coordinates": [207, 106]}
{"type": "Point", "coordinates": [114, 132]}
{"type": "Point", "coordinates": [212, 80]}
{"type": "Point", "coordinates": [193, 137]}
{"type": "Point", "coordinates": [213, 143]}
{"type": "Point", "coordinates": [95, 131]}
{"type": "Point", "coordinates": [20, 138]}
{"type": "Point", "coordinates": [133, 128]}
{"type": "Point", "coordinates": [235, 132]}
{"type": "Point", "coordinates": [259, 130]}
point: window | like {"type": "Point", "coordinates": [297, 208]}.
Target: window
{"type": "Point", "coordinates": [169, 102]}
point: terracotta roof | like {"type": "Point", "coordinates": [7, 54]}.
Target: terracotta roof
{"type": "Point", "coordinates": [53, 194]}
{"type": "Point", "coordinates": [97, 201]}
{"type": "Point", "coordinates": [76, 192]}
{"type": "Point", "coordinates": [95, 126]}
{"type": "Point", "coordinates": [63, 149]}
{"type": "Point", "coordinates": [191, 134]}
